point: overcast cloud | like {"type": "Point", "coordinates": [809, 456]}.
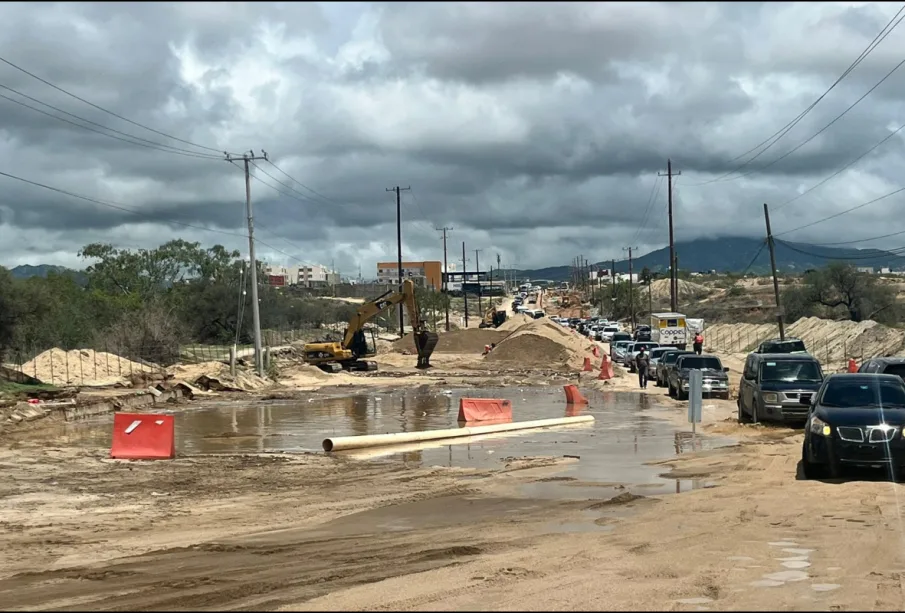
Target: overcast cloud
{"type": "Point", "coordinates": [534, 130]}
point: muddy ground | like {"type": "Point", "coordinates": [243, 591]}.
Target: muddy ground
{"type": "Point", "coordinates": [312, 532]}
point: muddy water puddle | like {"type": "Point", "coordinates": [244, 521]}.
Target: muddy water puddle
{"type": "Point", "coordinates": [612, 450]}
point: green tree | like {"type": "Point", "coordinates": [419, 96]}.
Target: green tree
{"type": "Point", "coordinates": [840, 290]}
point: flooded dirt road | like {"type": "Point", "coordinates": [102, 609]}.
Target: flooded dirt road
{"type": "Point", "coordinates": [525, 527]}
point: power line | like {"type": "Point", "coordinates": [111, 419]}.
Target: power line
{"type": "Point", "coordinates": [777, 136]}
{"type": "Point", "coordinates": [878, 254]}
{"type": "Point", "coordinates": [204, 156]}
{"type": "Point", "coordinates": [841, 213]}
{"type": "Point", "coordinates": [94, 123]}
{"type": "Point", "coordinates": [117, 206]}
{"type": "Point", "coordinates": [109, 112]}
{"type": "Point", "coordinates": [847, 166]}
{"type": "Point", "coordinates": [301, 196]}
{"type": "Point", "coordinates": [860, 240]}
{"type": "Point", "coordinates": [291, 178]}
{"type": "Point", "coordinates": [654, 191]}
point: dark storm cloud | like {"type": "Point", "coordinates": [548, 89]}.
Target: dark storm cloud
{"type": "Point", "coordinates": [534, 129]}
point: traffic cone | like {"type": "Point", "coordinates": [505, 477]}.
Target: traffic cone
{"type": "Point", "coordinates": [606, 369]}
{"type": "Point", "coordinates": [587, 365]}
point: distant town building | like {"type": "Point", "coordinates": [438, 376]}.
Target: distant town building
{"type": "Point", "coordinates": [866, 269]}
{"type": "Point", "coordinates": [426, 274]}
{"type": "Point", "coordinates": [314, 275]}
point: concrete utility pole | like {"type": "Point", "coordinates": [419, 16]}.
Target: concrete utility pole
{"type": "Point", "coordinates": [779, 319]}
{"type": "Point", "coordinates": [445, 277]}
{"type": "Point", "coordinates": [398, 191]}
{"type": "Point", "coordinates": [631, 292]}
{"type": "Point", "coordinates": [673, 279]}
{"type": "Point", "coordinates": [250, 157]}
{"type": "Point", "coordinates": [477, 263]}
{"type": "Point", "coordinates": [464, 278]}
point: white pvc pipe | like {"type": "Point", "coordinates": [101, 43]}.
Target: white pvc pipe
{"type": "Point", "coordinates": [377, 440]}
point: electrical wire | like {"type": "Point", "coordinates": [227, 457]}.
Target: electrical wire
{"type": "Point", "coordinates": [838, 172]}
{"type": "Point", "coordinates": [301, 196]}
{"type": "Point", "coordinates": [204, 156]}
{"type": "Point", "coordinates": [860, 240]}
{"type": "Point", "coordinates": [876, 255]}
{"type": "Point", "coordinates": [776, 136]}
{"type": "Point", "coordinates": [291, 178]}
{"type": "Point", "coordinates": [109, 112]}
{"type": "Point", "coordinates": [841, 213]}
{"type": "Point", "coordinates": [654, 191]}
{"type": "Point", "coordinates": [117, 206]}
{"type": "Point", "coordinates": [94, 123]}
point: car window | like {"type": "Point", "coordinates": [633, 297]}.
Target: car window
{"type": "Point", "coordinates": [789, 346]}
{"type": "Point", "coordinates": [790, 372]}
{"type": "Point", "coordinates": [700, 363]}
{"type": "Point", "coordinates": [895, 369]}
{"type": "Point", "coordinates": [646, 346]}
{"type": "Point", "coordinates": [671, 358]}
{"type": "Point", "coordinates": [843, 392]}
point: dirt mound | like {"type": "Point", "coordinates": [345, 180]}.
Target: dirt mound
{"type": "Point", "coordinates": [85, 367]}
{"type": "Point", "coordinates": [832, 342]}
{"type": "Point", "coordinates": [542, 343]}
{"type": "Point", "coordinates": [455, 341]}
{"type": "Point", "coordinates": [215, 376]}
{"type": "Point", "coordinates": [659, 290]}
{"type": "Point", "coordinates": [515, 322]}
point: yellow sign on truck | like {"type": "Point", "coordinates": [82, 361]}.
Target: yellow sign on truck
{"type": "Point", "coordinates": [669, 330]}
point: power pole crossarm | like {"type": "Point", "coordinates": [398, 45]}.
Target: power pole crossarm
{"type": "Point", "coordinates": [398, 191]}
{"type": "Point", "coordinates": [779, 318]}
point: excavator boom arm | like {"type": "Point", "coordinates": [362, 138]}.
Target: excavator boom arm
{"type": "Point", "coordinates": [372, 309]}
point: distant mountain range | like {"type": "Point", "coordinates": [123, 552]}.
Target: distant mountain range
{"type": "Point", "coordinates": [737, 254]}
{"type": "Point", "coordinates": [42, 270]}
{"type": "Point", "coordinates": [728, 254]}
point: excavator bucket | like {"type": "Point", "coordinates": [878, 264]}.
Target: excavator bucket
{"type": "Point", "coordinates": [425, 343]}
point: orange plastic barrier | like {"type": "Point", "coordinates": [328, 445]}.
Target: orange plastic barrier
{"type": "Point", "coordinates": [587, 365]}
{"type": "Point", "coordinates": [484, 409]}
{"type": "Point", "coordinates": [606, 369]}
{"type": "Point", "coordinates": [573, 395]}
{"type": "Point", "coordinates": [139, 436]}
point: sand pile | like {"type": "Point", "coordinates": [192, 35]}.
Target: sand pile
{"type": "Point", "coordinates": [542, 343]}
{"type": "Point", "coordinates": [687, 291]}
{"type": "Point", "coordinates": [514, 322]}
{"type": "Point", "coordinates": [832, 342]}
{"type": "Point", "coordinates": [85, 367]}
{"type": "Point", "coordinates": [455, 341]}
{"type": "Point", "coordinates": [215, 376]}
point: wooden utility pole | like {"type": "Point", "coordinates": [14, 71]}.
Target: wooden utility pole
{"type": "Point", "coordinates": [673, 279]}
{"type": "Point", "coordinates": [631, 292]}
{"type": "Point", "coordinates": [613, 286]}
{"type": "Point", "coordinates": [445, 276]}
{"type": "Point", "coordinates": [782, 330]}
{"type": "Point", "coordinates": [250, 157]}
{"type": "Point", "coordinates": [464, 278]}
{"type": "Point", "coordinates": [398, 191]}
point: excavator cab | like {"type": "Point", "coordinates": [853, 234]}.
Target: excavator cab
{"type": "Point", "coordinates": [360, 347]}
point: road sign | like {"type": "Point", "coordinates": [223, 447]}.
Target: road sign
{"type": "Point", "coordinates": [695, 395]}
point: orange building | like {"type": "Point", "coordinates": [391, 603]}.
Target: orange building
{"type": "Point", "coordinates": [428, 274]}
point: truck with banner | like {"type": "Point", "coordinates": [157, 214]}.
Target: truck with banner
{"type": "Point", "coordinates": [669, 330]}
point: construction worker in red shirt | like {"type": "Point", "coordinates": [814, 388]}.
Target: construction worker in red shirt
{"type": "Point", "coordinates": [698, 344]}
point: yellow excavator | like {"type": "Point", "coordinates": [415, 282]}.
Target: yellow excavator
{"type": "Point", "coordinates": [493, 318]}
{"type": "Point", "coordinates": [332, 356]}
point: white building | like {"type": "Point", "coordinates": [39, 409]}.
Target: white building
{"type": "Point", "coordinates": [314, 275]}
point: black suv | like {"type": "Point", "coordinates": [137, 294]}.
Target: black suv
{"type": "Point", "coordinates": [775, 345]}
{"type": "Point", "coordinates": [885, 366]}
{"type": "Point", "coordinates": [778, 387]}
{"type": "Point", "coordinates": [642, 333]}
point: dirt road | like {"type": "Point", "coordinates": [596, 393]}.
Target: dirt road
{"type": "Point", "coordinates": [307, 532]}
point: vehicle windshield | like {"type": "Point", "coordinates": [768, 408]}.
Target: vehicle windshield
{"type": "Point", "coordinates": [646, 346]}
{"type": "Point", "coordinates": [671, 357]}
{"type": "Point", "coordinates": [860, 393]}
{"type": "Point", "coordinates": [657, 353]}
{"type": "Point", "coordinates": [701, 363]}
{"type": "Point", "coordinates": [895, 369]}
{"type": "Point", "coordinates": [783, 346]}
{"type": "Point", "coordinates": [790, 372]}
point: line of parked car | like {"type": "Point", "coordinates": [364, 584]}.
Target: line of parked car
{"type": "Point", "coordinates": [671, 367]}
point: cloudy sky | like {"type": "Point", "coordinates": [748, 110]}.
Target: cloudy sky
{"type": "Point", "coordinates": [536, 131]}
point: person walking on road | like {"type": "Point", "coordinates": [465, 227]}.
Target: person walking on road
{"type": "Point", "coordinates": [642, 363]}
{"type": "Point", "coordinates": [698, 344]}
